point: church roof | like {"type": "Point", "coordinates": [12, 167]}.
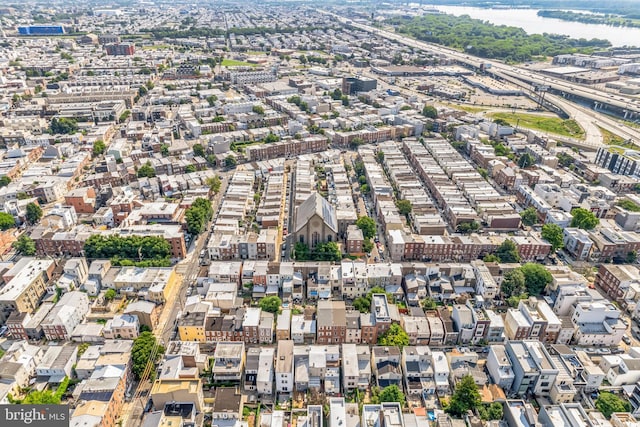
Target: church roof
{"type": "Point", "coordinates": [316, 205]}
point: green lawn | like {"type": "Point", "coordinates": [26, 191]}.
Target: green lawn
{"type": "Point", "coordinates": [555, 125]}
{"type": "Point", "coordinates": [234, 63]}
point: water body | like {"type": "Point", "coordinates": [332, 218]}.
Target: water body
{"type": "Point", "coordinates": [529, 21]}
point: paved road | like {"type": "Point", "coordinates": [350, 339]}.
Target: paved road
{"type": "Point", "coordinates": [188, 269]}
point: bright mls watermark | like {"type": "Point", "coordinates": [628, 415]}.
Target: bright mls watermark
{"type": "Point", "coordinates": [34, 415]}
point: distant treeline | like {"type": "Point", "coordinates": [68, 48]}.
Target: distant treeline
{"type": "Point", "coordinates": [486, 40]}
{"type": "Point", "coordinates": [589, 18]}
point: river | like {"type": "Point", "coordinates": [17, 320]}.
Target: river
{"type": "Point", "coordinates": [528, 20]}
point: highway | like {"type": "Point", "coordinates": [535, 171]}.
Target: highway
{"type": "Point", "coordinates": [525, 75]}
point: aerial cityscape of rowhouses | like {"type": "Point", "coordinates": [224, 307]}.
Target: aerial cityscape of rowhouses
{"type": "Point", "coordinates": [267, 216]}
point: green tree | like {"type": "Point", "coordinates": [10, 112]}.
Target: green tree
{"type": "Point", "coordinates": [529, 216]}
{"type": "Point", "coordinates": [301, 251]}
{"type": "Point", "coordinates": [489, 412]}
{"type": "Point", "coordinates": [214, 183]}
{"type": "Point", "coordinates": [429, 304]}
{"type": "Point", "coordinates": [395, 336]}
{"type": "Point", "coordinates": [429, 111]}
{"type": "Point", "coordinates": [110, 294]}
{"type": "Point", "coordinates": [380, 156]}
{"type": "Point", "coordinates": [608, 403]}
{"type": "Point", "coordinates": [142, 353]}
{"type": "Point", "coordinates": [4, 181]}
{"type": "Point", "coordinates": [270, 304]}
{"type": "Point", "coordinates": [404, 207]}
{"type": "Point", "coordinates": [553, 234]}
{"type": "Point", "coordinates": [513, 283]}
{"type": "Point", "coordinates": [99, 147]}
{"type": "Point", "coordinates": [536, 277]}
{"type": "Point", "coordinates": [230, 161]}
{"type": "Point", "coordinates": [514, 300]}
{"type": "Point", "coordinates": [146, 171]}
{"type": "Point", "coordinates": [198, 150]}
{"type": "Point", "coordinates": [465, 397]}
{"type": "Point", "coordinates": [190, 169]}
{"type": "Point", "coordinates": [24, 245]}
{"type": "Point", "coordinates": [491, 258]}
{"type": "Point", "coordinates": [526, 160]}
{"type": "Point", "coordinates": [197, 215]}
{"type": "Point", "coordinates": [367, 246]}
{"type": "Point", "coordinates": [508, 252]}
{"type": "Point", "coordinates": [362, 304]}
{"type": "Point", "coordinates": [468, 227]}
{"type": "Point", "coordinates": [7, 221]}
{"type": "Point", "coordinates": [392, 393]}
{"type": "Point", "coordinates": [258, 109]}
{"type": "Point", "coordinates": [211, 99]}
{"type": "Point", "coordinates": [584, 219]}
{"type": "Point", "coordinates": [34, 213]}
{"type": "Point", "coordinates": [367, 225]}
{"type": "Point", "coordinates": [63, 126]}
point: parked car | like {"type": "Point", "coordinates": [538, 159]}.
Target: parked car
{"type": "Point", "coordinates": [626, 340]}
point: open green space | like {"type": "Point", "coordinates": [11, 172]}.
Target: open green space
{"type": "Point", "coordinates": [467, 108]}
{"type": "Point", "coordinates": [480, 38]}
{"type": "Point", "coordinates": [156, 47]}
{"type": "Point", "coordinates": [610, 138]}
{"type": "Point", "coordinates": [234, 63]}
{"type": "Point", "coordinates": [555, 125]}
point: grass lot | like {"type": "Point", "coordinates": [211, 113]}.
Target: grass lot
{"type": "Point", "coordinates": [467, 108]}
{"type": "Point", "coordinates": [555, 125]}
{"type": "Point", "coordinates": [156, 47]}
{"type": "Point", "coordinates": [611, 138]}
{"type": "Point", "coordinates": [234, 63]}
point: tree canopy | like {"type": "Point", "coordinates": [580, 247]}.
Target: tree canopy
{"type": "Point", "coordinates": [198, 150]}
{"type": "Point", "coordinates": [367, 225]}
{"type": "Point", "coordinates": [270, 304]}
{"type": "Point", "coordinates": [395, 336]}
{"type": "Point", "coordinates": [513, 283]}
{"type": "Point", "coordinates": [34, 213]}
{"type": "Point", "coordinates": [536, 277]}
{"type": "Point", "coordinates": [142, 351]}
{"type": "Point", "coordinates": [197, 215]}
{"type": "Point", "coordinates": [508, 252]}
{"type": "Point", "coordinates": [486, 40]}
{"type": "Point", "coordinates": [63, 126]}
{"type": "Point", "coordinates": [146, 171]}
{"type": "Point", "coordinates": [465, 397]}
{"type": "Point", "coordinates": [584, 219]}
{"type": "Point", "coordinates": [608, 403]}
{"type": "Point", "coordinates": [430, 112]}
{"type": "Point", "coordinates": [553, 234]}
{"type": "Point", "coordinates": [128, 247]}
{"type": "Point", "coordinates": [24, 245]}
{"type": "Point", "coordinates": [529, 216]}
{"type": "Point", "coordinates": [214, 183]}
{"type": "Point", "coordinates": [392, 393]}
{"type": "Point", "coordinates": [7, 221]}
{"type": "Point", "coordinates": [99, 147]}
{"type": "Point", "coordinates": [404, 207]}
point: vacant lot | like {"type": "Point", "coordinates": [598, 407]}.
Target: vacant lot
{"type": "Point", "coordinates": [555, 125]}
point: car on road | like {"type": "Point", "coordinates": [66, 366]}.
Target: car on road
{"type": "Point", "coordinates": [626, 340]}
